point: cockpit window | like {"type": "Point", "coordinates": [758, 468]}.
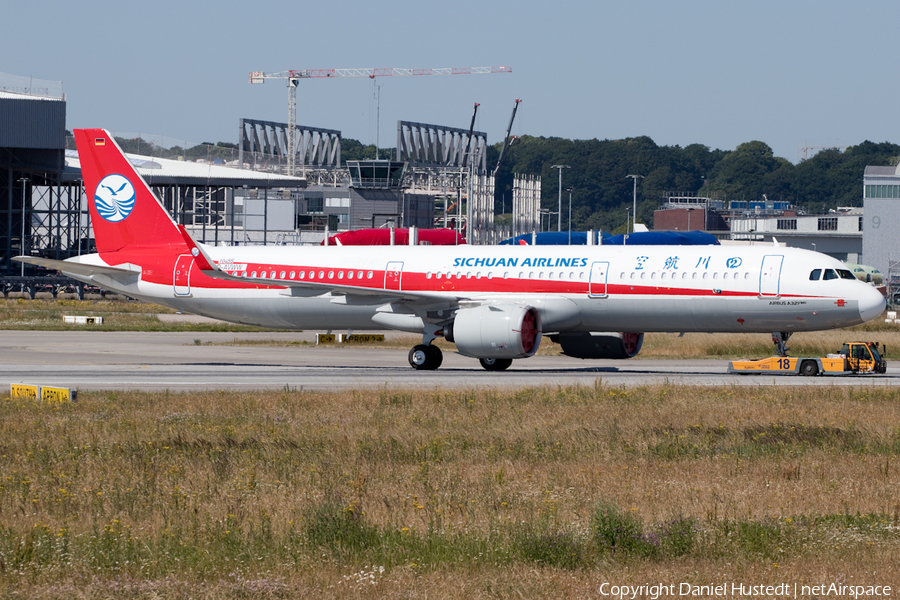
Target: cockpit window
{"type": "Point", "coordinates": [846, 274]}
{"type": "Point", "coordinates": [815, 275]}
{"type": "Point", "coordinates": [830, 274]}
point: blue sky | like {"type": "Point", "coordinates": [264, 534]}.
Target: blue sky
{"type": "Point", "coordinates": [710, 72]}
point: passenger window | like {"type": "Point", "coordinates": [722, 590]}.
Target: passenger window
{"type": "Point", "coordinates": [340, 274]}
{"type": "Point", "coordinates": [272, 274]}
{"type": "Point", "coordinates": [815, 275]}
{"type": "Point", "coordinates": [253, 274]}
{"type": "Point", "coordinates": [830, 274]}
{"type": "Point", "coordinates": [359, 275]}
{"type": "Point", "coordinates": [293, 273]}
{"type": "Point", "coordinates": [301, 274]}
{"type": "Point", "coordinates": [281, 276]}
{"type": "Point", "coordinates": [349, 274]}
{"type": "Point", "coordinates": [368, 275]}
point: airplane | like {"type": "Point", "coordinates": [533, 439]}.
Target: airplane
{"type": "Point", "coordinates": [493, 302]}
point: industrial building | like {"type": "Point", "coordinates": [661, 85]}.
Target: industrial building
{"type": "Point", "coordinates": [288, 185]}
{"type": "Point", "coordinates": [881, 243]}
{"type": "Point", "coordinates": [838, 234]}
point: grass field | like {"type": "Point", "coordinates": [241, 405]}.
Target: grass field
{"type": "Point", "coordinates": [539, 492]}
{"type": "Point", "coordinates": [118, 315]}
{"type": "Point", "coordinates": [530, 493]}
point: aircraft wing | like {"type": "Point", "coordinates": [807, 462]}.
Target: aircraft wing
{"type": "Point", "coordinates": [354, 294]}
{"type": "Point", "coordinates": [83, 269]}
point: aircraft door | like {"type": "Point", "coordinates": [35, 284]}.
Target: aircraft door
{"type": "Point", "coordinates": [597, 285]}
{"type": "Point", "coordinates": [182, 276]}
{"type": "Point", "coordinates": [770, 275]}
{"type": "Point", "coordinates": [392, 275]}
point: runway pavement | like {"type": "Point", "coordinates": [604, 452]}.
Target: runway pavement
{"type": "Point", "coordinates": [89, 360]}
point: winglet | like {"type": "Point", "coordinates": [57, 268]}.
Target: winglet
{"type": "Point", "coordinates": [204, 262]}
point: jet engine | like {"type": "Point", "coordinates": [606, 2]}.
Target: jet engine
{"type": "Point", "coordinates": [600, 344]}
{"type": "Point", "coordinates": [496, 331]}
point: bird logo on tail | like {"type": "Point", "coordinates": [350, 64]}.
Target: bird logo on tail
{"type": "Point", "coordinates": [115, 198]}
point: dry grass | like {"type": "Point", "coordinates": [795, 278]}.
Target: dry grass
{"type": "Point", "coordinates": [759, 345]}
{"type": "Point", "coordinates": [466, 494]}
{"type": "Point", "coordinates": [118, 315]}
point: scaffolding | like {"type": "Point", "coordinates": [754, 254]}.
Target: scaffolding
{"type": "Point", "coordinates": [526, 204]}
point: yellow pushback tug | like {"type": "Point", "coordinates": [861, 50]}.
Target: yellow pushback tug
{"type": "Point", "coordinates": [854, 357]}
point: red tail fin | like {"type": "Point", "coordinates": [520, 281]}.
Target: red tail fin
{"type": "Point", "coordinates": [125, 214]}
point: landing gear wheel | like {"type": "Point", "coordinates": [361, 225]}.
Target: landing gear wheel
{"type": "Point", "coordinates": [495, 364]}
{"type": "Point", "coordinates": [437, 357]}
{"type": "Point", "coordinates": [809, 368]}
{"type": "Point", "coordinates": [425, 358]}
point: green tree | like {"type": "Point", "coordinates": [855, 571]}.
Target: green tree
{"type": "Point", "coordinates": [750, 171]}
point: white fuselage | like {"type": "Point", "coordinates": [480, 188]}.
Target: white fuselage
{"type": "Point", "coordinates": [576, 288]}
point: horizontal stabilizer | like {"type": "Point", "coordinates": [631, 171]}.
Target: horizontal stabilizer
{"type": "Point", "coordinates": [80, 268]}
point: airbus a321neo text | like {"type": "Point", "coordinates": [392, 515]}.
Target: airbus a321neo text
{"type": "Point", "coordinates": [494, 302]}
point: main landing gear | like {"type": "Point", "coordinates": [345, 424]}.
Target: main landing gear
{"type": "Point", "coordinates": [425, 357]}
{"type": "Point", "coordinates": [495, 364]}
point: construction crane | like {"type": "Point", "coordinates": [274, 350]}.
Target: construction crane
{"type": "Point", "coordinates": [293, 80]}
{"type": "Point", "coordinates": [507, 141]}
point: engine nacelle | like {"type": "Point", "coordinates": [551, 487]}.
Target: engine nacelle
{"type": "Point", "coordinates": [496, 331]}
{"type": "Point", "coordinates": [600, 344]}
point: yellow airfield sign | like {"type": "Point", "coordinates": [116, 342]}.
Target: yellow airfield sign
{"type": "Point", "coordinates": [44, 393]}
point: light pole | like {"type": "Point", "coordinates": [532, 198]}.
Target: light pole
{"type": "Point", "coordinates": [627, 218]}
{"type": "Point", "coordinates": [559, 219]}
{"type": "Point", "coordinates": [570, 215]}
{"type": "Point", "coordinates": [634, 216]}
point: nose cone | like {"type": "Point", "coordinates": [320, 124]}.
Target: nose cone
{"type": "Point", "coordinates": [871, 303]}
